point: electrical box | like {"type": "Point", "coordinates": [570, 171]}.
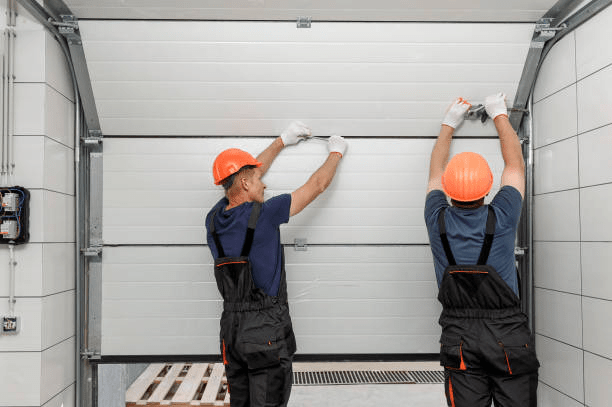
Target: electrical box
{"type": "Point", "coordinates": [9, 325]}
{"type": "Point", "coordinates": [14, 215]}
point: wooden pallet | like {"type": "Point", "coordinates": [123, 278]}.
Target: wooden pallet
{"type": "Point", "coordinates": [180, 385]}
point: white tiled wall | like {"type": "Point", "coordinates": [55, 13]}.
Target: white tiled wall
{"type": "Point", "coordinates": [561, 366]}
{"type": "Point", "coordinates": [572, 218]}
{"type": "Point", "coordinates": [598, 391]}
{"type": "Point", "coordinates": [38, 364]}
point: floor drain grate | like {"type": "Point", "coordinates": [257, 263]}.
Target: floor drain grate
{"type": "Point", "coordinates": [428, 376]}
{"type": "Point", "coordinates": [331, 377]}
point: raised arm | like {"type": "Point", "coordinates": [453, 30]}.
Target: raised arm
{"type": "Point", "coordinates": [514, 168]}
{"type": "Point", "coordinates": [439, 155]}
{"type": "Point", "coordinates": [292, 135]}
{"type": "Point", "coordinates": [321, 178]}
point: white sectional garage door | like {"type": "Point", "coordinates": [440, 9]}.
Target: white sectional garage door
{"type": "Point", "coordinates": [172, 95]}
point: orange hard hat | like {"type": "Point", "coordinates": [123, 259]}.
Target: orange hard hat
{"type": "Point", "coordinates": [230, 162]}
{"type": "Point", "coordinates": [467, 177]}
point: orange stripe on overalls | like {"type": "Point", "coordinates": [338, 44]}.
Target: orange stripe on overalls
{"type": "Point", "coordinates": [450, 392]}
{"type": "Point", "coordinates": [224, 359]}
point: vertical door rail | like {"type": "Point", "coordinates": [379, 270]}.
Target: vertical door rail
{"type": "Point", "coordinates": [60, 21]}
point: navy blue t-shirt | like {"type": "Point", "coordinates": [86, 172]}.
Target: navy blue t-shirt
{"type": "Point", "coordinates": [266, 251]}
{"type": "Point", "coordinates": [465, 229]}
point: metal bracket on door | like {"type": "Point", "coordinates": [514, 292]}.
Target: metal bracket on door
{"type": "Point", "coordinates": [90, 355]}
{"type": "Point", "coordinates": [300, 245]}
{"type": "Point", "coordinates": [92, 251]}
{"type": "Point", "coordinates": [304, 22]}
{"type": "Point", "coordinates": [94, 137]}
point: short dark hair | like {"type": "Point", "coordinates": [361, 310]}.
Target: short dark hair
{"type": "Point", "coordinates": [229, 181]}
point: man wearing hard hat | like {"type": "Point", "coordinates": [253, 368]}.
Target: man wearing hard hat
{"type": "Point", "coordinates": [486, 347]}
{"type": "Point", "coordinates": [257, 340]}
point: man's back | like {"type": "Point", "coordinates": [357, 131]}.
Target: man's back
{"type": "Point", "coordinates": [465, 231]}
{"type": "Point", "coordinates": [266, 252]}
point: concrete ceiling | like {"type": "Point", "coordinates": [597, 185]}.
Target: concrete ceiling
{"type": "Point", "coordinates": [318, 10]}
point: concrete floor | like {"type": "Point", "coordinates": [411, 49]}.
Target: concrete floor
{"type": "Point", "coordinates": [388, 395]}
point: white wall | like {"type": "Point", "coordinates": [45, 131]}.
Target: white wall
{"type": "Point", "coordinates": [572, 218]}
{"type": "Point", "coordinates": [38, 364]}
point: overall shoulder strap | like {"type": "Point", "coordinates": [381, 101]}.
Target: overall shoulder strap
{"type": "Point", "coordinates": [211, 227]}
{"type": "Point", "coordinates": [248, 241]}
{"type": "Point", "coordinates": [445, 244]}
{"type": "Point", "coordinates": [489, 234]}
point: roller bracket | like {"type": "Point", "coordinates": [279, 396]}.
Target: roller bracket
{"type": "Point", "coordinates": [93, 251]}
{"type": "Point", "coordinates": [90, 355]}
{"type": "Point", "coordinates": [300, 245]}
{"type": "Point", "coordinates": [304, 22]}
{"type": "Point", "coordinates": [94, 137]}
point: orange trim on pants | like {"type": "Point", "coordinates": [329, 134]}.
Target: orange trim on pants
{"type": "Point", "coordinates": [450, 392]}
{"type": "Point", "coordinates": [224, 359]}
{"type": "Point", "coordinates": [508, 362]}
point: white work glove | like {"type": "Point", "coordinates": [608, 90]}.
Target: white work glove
{"type": "Point", "coordinates": [456, 112]}
{"type": "Point", "coordinates": [295, 132]}
{"type": "Point", "coordinates": [337, 144]}
{"type": "Point", "coordinates": [496, 105]}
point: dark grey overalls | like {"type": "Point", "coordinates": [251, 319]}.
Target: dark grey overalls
{"type": "Point", "coordinates": [486, 346]}
{"type": "Point", "coordinates": [257, 340]}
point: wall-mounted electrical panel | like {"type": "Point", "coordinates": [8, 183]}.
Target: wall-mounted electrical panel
{"type": "Point", "coordinates": [9, 325]}
{"type": "Point", "coordinates": [14, 215]}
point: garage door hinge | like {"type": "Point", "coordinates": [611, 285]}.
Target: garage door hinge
{"type": "Point", "coordinates": [304, 22]}
{"type": "Point", "coordinates": [90, 355]}
{"type": "Point", "coordinates": [300, 245]}
{"type": "Point", "coordinates": [93, 137]}
{"type": "Point", "coordinates": [93, 251]}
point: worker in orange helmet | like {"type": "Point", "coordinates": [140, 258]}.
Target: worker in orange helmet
{"type": "Point", "coordinates": [486, 346]}
{"type": "Point", "coordinates": [256, 338]}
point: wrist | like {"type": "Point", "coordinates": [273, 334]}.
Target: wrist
{"type": "Point", "coordinates": [446, 130]}
{"type": "Point", "coordinates": [336, 153]}
{"type": "Point", "coordinates": [501, 116]}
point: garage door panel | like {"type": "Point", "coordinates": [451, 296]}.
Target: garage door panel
{"type": "Point", "coordinates": [353, 271]}
{"type": "Point", "coordinates": [312, 92]}
{"type": "Point", "coordinates": [425, 308]}
{"type": "Point", "coordinates": [366, 290]}
{"type": "Point", "coordinates": [366, 326]}
{"type": "Point", "coordinates": [164, 308]}
{"type": "Point", "coordinates": [357, 127]}
{"type": "Point", "coordinates": [155, 326]}
{"type": "Point", "coordinates": [262, 32]}
{"type": "Point", "coordinates": [302, 52]}
{"type": "Point", "coordinates": [186, 199]}
{"type": "Point", "coordinates": [381, 183]}
{"type": "Point", "coordinates": [378, 344]}
{"type": "Point", "coordinates": [250, 78]}
{"type": "Point", "coordinates": [287, 72]}
{"type": "Point", "coordinates": [138, 344]}
{"type": "Point", "coordinates": [163, 290]}
{"type": "Point", "coordinates": [172, 95]}
{"type": "Point", "coordinates": [161, 300]}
